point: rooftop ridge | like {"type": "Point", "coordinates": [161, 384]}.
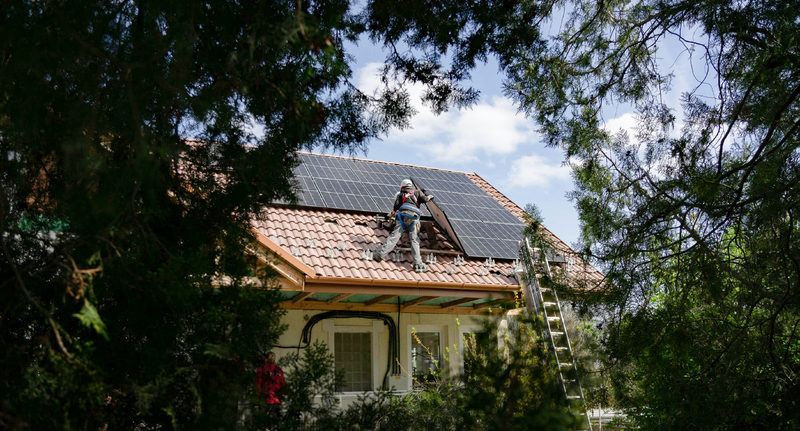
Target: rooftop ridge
{"type": "Point", "coordinates": [385, 163]}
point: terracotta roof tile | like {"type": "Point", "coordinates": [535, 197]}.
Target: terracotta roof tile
{"type": "Point", "coordinates": [312, 261]}
{"type": "Point", "coordinates": [363, 272]}
{"type": "Point", "coordinates": [429, 276]}
{"type": "Point", "coordinates": [386, 275]}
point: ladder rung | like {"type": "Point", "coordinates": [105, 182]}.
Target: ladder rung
{"type": "Point", "coordinates": [549, 304]}
{"type": "Point", "coordinates": [553, 318]}
{"type": "Point", "coordinates": [561, 349]}
{"type": "Point", "coordinates": [573, 397]}
{"type": "Point", "coordinates": [565, 364]}
{"type": "Point", "coordinates": [555, 333]}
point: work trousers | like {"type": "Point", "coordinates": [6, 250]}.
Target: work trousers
{"type": "Point", "coordinates": [391, 241]}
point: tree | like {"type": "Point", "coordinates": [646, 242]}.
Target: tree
{"type": "Point", "coordinates": [693, 219]}
{"type": "Point", "coordinates": [130, 173]}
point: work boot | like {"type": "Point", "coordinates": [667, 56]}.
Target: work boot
{"type": "Point", "coordinates": [376, 257]}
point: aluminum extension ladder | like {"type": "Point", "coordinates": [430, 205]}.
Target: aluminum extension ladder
{"type": "Point", "coordinates": [543, 302]}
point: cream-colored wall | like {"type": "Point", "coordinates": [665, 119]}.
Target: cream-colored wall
{"type": "Point", "coordinates": [450, 327]}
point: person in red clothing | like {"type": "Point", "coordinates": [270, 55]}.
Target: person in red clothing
{"type": "Point", "coordinates": [269, 380]}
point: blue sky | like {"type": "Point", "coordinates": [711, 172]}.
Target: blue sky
{"type": "Point", "coordinates": [501, 145]}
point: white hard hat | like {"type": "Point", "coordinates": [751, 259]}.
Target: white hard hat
{"type": "Point", "coordinates": [405, 183]}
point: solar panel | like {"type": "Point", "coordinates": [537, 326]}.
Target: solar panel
{"type": "Point", "coordinates": [483, 226]}
{"type": "Point", "coordinates": [301, 171]}
{"type": "Point", "coordinates": [311, 160]}
{"type": "Point", "coordinates": [469, 228]}
{"type": "Point", "coordinates": [329, 173]}
{"type": "Point", "coordinates": [310, 199]}
{"type": "Point", "coordinates": [503, 230]}
{"type": "Point", "coordinates": [457, 211]}
{"type": "Point", "coordinates": [308, 195]}
{"type": "Point", "coordinates": [478, 201]}
{"type": "Point", "coordinates": [348, 202]}
{"type": "Point", "coordinates": [495, 215]}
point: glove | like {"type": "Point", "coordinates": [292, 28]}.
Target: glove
{"type": "Point", "coordinates": [430, 197]}
{"type": "Point", "coordinates": [423, 191]}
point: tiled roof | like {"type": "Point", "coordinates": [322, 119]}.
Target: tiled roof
{"type": "Point", "coordinates": [315, 237]}
{"type": "Point", "coordinates": [333, 244]}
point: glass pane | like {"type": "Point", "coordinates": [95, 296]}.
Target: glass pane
{"type": "Point", "coordinates": [353, 355]}
{"type": "Point", "coordinates": [424, 356]}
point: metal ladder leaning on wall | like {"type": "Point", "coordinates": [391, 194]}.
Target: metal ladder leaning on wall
{"type": "Point", "coordinates": [544, 302]}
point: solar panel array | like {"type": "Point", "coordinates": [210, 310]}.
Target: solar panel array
{"type": "Point", "coordinates": [483, 226]}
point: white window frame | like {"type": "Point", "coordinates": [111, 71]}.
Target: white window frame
{"type": "Point", "coordinates": [463, 329]}
{"type": "Point", "coordinates": [330, 326]}
{"type": "Point", "coordinates": [442, 331]}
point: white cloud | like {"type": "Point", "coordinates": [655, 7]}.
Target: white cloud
{"type": "Point", "coordinates": [626, 122]}
{"type": "Point", "coordinates": [492, 128]}
{"type": "Point", "coordinates": [534, 171]}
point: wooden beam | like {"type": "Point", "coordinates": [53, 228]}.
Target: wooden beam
{"type": "Point", "coordinates": [340, 297]}
{"type": "Point", "coordinates": [287, 272]}
{"type": "Point", "coordinates": [457, 302]}
{"type": "Point", "coordinates": [285, 255]}
{"type": "Point", "coordinates": [405, 287]}
{"type": "Point", "coordinates": [419, 300]}
{"type": "Point", "coordinates": [284, 283]}
{"type": "Point", "coordinates": [379, 299]}
{"type": "Point", "coordinates": [381, 308]}
{"type": "Point", "coordinates": [271, 259]}
{"type": "Point", "coordinates": [489, 303]}
{"type": "Point", "coordinates": [301, 296]}
{"type": "Point", "coordinates": [356, 287]}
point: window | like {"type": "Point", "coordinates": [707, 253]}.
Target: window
{"type": "Point", "coordinates": [425, 356]}
{"type": "Point", "coordinates": [353, 357]}
{"type": "Point", "coordinates": [354, 346]}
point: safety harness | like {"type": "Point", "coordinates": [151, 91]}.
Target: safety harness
{"type": "Point", "coordinates": [413, 207]}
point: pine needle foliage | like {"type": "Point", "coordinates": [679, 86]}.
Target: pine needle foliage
{"type": "Point", "coordinates": [693, 215]}
{"type": "Point", "coordinates": [138, 139]}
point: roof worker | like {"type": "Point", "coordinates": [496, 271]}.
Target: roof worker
{"type": "Point", "coordinates": [406, 209]}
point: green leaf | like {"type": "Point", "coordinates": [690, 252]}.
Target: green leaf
{"type": "Point", "coordinates": [217, 350]}
{"type": "Point", "coordinates": [89, 317]}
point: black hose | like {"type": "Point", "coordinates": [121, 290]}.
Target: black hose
{"type": "Point", "coordinates": [394, 335]}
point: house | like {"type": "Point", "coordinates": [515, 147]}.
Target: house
{"type": "Point", "coordinates": [385, 323]}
